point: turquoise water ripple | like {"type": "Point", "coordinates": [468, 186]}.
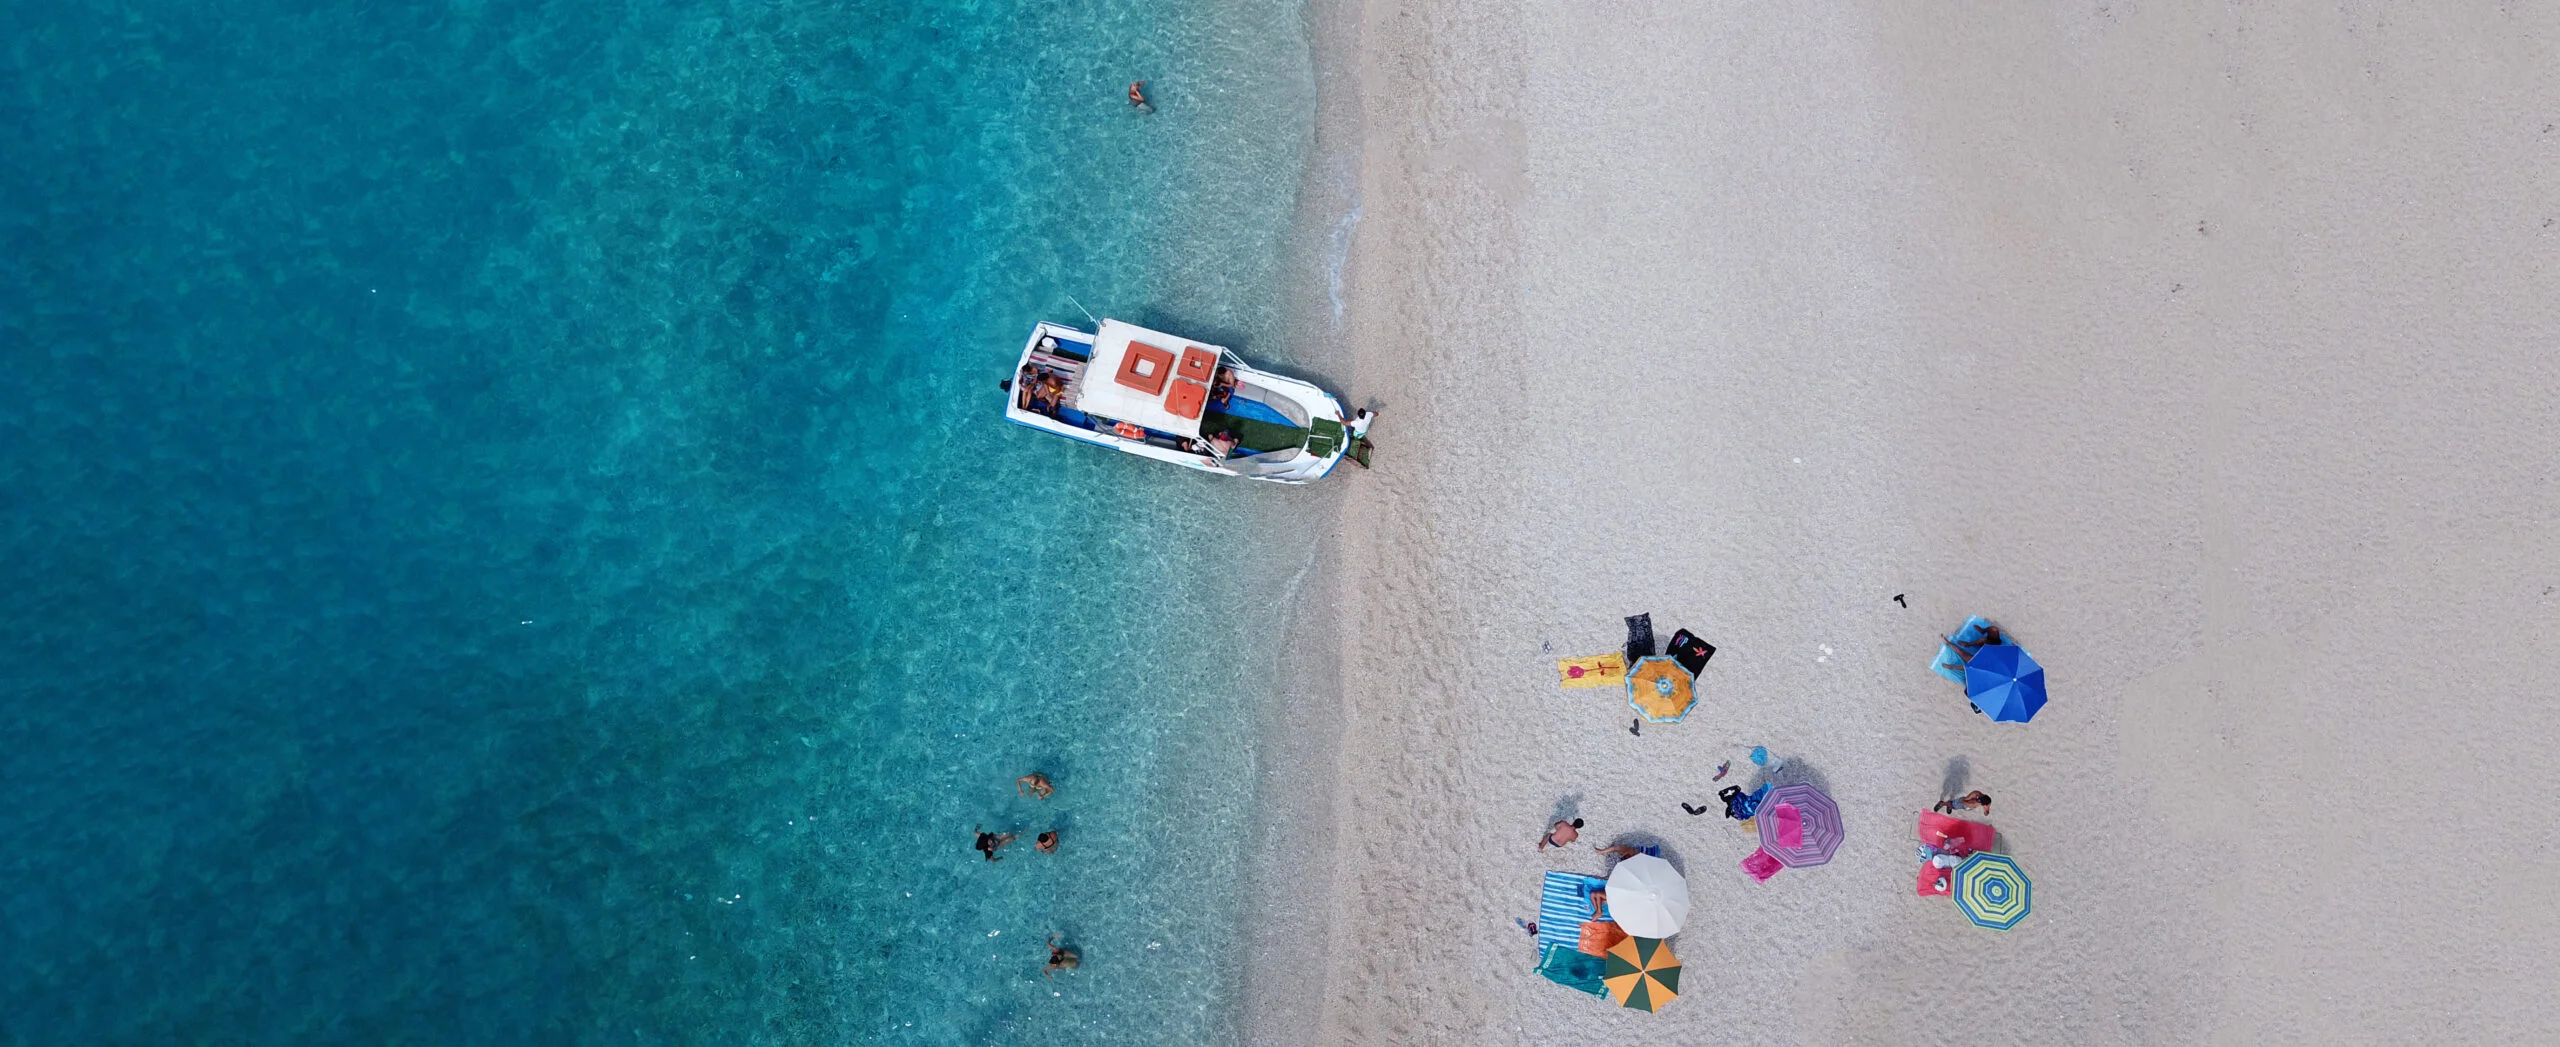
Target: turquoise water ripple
{"type": "Point", "coordinates": [507, 540]}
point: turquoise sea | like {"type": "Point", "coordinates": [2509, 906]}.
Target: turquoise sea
{"type": "Point", "coordinates": [509, 536]}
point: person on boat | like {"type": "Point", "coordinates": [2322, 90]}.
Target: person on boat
{"type": "Point", "coordinates": [1222, 388]}
{"type": "Point", "coordinates": [1034, 785]}
{"type": "Point", "coordinates": [989, 843]}
{"type": "Point", "coordinates": [1138, 97]}
{"type": "Point", "coordinates": [1222, 444]}
{"type": "Point", "coordinates": [1046, 843]}
{"type": "Point", "coordinates": [1061, 958]}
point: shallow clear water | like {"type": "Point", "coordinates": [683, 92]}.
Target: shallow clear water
{"type": "Point", "coordinates": [507, 535]}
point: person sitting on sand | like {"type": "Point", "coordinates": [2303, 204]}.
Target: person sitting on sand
{"type": "Point", "coordinates": [1061, 958]}
{"type": "Point", "coordinates": [1966, 651]}
{"type": "Point", "coordinates": [1046, 843]}
{"type": "Point", "coordinates": [1560, 834]}
{"type": "Point", "coordinates": [989, 843]}
{"type": "Point", "coordinates": [1034, 785]}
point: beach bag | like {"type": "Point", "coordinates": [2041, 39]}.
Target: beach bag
{"type": "Point", "coordinates": [1599, 935]}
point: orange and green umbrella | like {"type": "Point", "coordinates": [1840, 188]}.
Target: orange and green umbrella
{"type": "Point", "coordinates": [1661, 690]}
{"type": "Point", "coordinates": [1641, 973]}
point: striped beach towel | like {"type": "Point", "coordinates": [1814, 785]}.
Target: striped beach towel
{"type": "Point", "coordinates": [1564, 906]}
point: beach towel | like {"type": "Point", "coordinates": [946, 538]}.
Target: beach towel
{"type": "Point", "coordinates": [1934, 881]}
{"type": "Point", "coordinates": [1789, 825]}
{"type": "Point", "coordinates": [1953, 835]}
{"type": "Point", "coordinates": [1564, 905]}
{"type": "Point", "coordinates": [1598, 936]}
{"type": "Point", "coordinates": [1692, 653]}
{"type": "Point", "coordinates": [1639, 637]}
{"type": "Point", "coordinates": [1599, 670]}
{"type": "Point", "coordinates": [1950, 663]}
{"type": "Point", "coordinates": [1568, 967]}
{"type": "Point", "coordinates": [1761, 865]}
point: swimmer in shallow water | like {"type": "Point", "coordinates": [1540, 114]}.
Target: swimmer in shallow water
{"type": "Point", "coordinates": [1061, 958]}
{"type": "Point", "coordinates": [1138, 97]}
{"type": "Point", "coordinates": [989, 843]}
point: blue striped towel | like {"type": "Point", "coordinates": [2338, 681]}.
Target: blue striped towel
{"type": "Point", "coordinates": [1565, 906]}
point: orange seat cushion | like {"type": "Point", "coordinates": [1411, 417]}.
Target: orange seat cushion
{"type": "Point", "coordinates": [1187, 398]}
{"type": "Point", "coordinates": [1199, 364]}
{"type": "Point", "coordinates": [1598, 936]}
{"type": "Point", "coordinates": [1144, 368]}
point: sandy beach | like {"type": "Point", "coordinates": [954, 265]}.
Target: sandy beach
{"type": "Point", "coordinates": [2209, 350]}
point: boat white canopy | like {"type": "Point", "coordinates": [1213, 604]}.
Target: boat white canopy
{"type": "Point", "coordinates": [1149, 378]}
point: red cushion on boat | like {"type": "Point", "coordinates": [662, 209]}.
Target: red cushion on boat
{"type": "Point", "coordinates": [1144, 368]}
{"type": "Point", "coordinates": [1198, 364]}
{"type": "Point", "coordinates": [1186, 398]}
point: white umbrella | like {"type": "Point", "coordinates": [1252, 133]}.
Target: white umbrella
{"type": "Point", "coordinates": [1647, 897]}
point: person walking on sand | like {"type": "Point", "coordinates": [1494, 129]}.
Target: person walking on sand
{"type": "Point", "coordinates": [1034, 785]}
{"type": "Point", "coordinates": [1358, 428]}
{"type": "Point", "coordinates": [1061, 958]}
{"type": "Point", "coordinates": [1560, 834]}
{"type": "Point", "coordinates": [1138, 97]}
{"type": "Point", "coordinates": [1976, 800]}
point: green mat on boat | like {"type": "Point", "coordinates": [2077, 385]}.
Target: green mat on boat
{"type": "Point", "coordinates": [1252, 437]}
{"type": "Point", "coordinates": [1326, 434]}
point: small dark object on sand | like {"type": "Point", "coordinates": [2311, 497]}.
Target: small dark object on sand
{"type": "Point", "coordinates": [1636, 727]}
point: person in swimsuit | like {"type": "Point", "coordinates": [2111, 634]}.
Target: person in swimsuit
{"type": "Point", "coordinates": [1046, 843]}
{"type": "Point", "coordinates": [1034, 785]}
{"type": "Point", "coordinates": [1061, 958]}
{"type": "Point", "coordinates": [1620, 851]}
{"type": "Point", "coordinates": [1222, 444]}
{"type": "Point", "coordinates": [1560, 834]}
{"type": "Point", "coordinates": [1138, 97]}
{"type": "Point", "coordinates": [989, 843]}
{"type": "Point", "coordinates": [1976, 800]}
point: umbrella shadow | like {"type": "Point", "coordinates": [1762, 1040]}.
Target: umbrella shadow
{"type": "Point", "coordinates": [1567, 808]}
{"type": "Point", "coordinates": [1791, 770]}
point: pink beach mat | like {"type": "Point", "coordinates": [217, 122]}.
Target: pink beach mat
{"type": "Point", "coordinates": [1761, 865]}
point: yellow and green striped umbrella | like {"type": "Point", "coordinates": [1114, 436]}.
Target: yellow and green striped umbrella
{"type": "Point", "coordinates": [1992, 892]}
{"type": "Point", "coordinates": [1641, 973]}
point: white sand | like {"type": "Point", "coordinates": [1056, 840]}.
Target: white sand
{"type": "Point", "coordinates": [2211, 349]}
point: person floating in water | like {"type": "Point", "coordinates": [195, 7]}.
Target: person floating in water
{"type": "Point", "coordinates": [1138, 97]}
{"type": "Point", "coordinates": [1061, 958]}
{"type": "Point", "coordinates": [989, 843]}
{"type": "Point", "coordinates": [1034, 785]}
{"type": "Point", "coordinates": [1046, 843]}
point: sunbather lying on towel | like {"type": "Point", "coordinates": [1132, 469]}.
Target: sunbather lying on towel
{"type": "Point", "coordinates": [1966, 651]}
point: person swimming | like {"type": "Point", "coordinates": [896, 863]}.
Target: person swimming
{"type": "Point", "coordinates": [1061, 958]}
{"type": "Point", "coordinates": [1138, 97]}
{"type": "Point", "coordinates": [1046, 843]}
{"type": "Point", "coordinates": [989, 843]}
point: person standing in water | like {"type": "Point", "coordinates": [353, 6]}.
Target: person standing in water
{"type": "Point", "coordinates": [989, 843]}
{"type": "Point", "coordinates": [1034, 785]}
{"type": "Point", "coordinates": [1138, 97]}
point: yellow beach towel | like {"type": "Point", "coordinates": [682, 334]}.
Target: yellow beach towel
{"type": "Point", "coordinates": [1599, 670]}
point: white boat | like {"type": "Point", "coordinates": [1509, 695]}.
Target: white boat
{"type": "Point", "coordinates": [1177, 400]}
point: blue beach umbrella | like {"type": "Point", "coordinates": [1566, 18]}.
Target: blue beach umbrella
{"type": "Point", "coordinates": [2005, 683]}
{"type": "Point", "coordinates": [1992, 891]}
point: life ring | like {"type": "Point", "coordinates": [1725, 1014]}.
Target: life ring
{"type": "Point", "coordinates": [1130, 431]}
